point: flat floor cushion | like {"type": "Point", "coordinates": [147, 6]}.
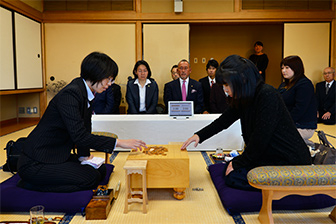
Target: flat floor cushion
{"type": "Point", "coordinates": [15, 199]}
{"type": "Point", "coordinates": [236, 201]}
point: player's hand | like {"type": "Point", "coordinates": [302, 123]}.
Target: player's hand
{"type": "Point", "coordinates": [195, 138]}
{"type": "Point", "coordinates": [83, 158]}
{"type": "Point", "coordinates": [229, 169]}
{"type": "Point", "coordinates": [326, 116]}
{"type": "Point", "coordinates": [131, 144]}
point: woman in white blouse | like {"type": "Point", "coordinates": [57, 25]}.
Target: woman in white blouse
{"type": "Point", "coordinates": [142, 92]}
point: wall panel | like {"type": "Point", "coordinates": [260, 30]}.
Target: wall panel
{"type": "Point", "coordinates": [310, 41]}
{"type": "Point", "coordinates": [68, 44]}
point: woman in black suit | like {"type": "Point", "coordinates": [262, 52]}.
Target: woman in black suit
{"type": "Point", "coordinates": [269, 133]}
{"type": "Point", "coordinates": [142, 92]}
{"type": "Point", "coordinates": [46, 162]}
{"type": "Point", "coordinates": [298, 94]}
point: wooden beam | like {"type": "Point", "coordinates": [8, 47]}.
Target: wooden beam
{"type": "Point", "coordinates": [138, 40]}
{"type": "Point", "coordinates": [22, 8]}
{"type": "Point", "coordinates": [244, 15]}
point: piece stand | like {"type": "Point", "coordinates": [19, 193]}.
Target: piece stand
{"type": "Point", "coordinates": [136, 167]}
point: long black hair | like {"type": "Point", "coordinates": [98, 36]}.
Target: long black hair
{"type": "Point", "coordinates": [242, 76]}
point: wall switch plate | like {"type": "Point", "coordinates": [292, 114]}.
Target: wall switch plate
{"type": "Point", "coordinates": [35, 110]}
{"type": "Point", "coordinates": [21, 110]}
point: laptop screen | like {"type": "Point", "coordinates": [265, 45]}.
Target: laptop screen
{"type": "Point", "coordinates": [181, 108]}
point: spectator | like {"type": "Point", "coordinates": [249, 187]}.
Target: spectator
{"type": "Point", "coordinates": [174, 72]}
{"type": "Point", "coordinates": [218, 99]}
{"type": "Point", "coordinates": [142, 92]}
{"type": "Point", "coordinates": [325, 95]}
{"type": "Point", "coordinates": [207, 83]}
{"type": "Point", "coordinates": [260, 59]}
{"type": "Point", "coordinates": [297, 92]}
{"type": "Point", "coordinates": [184, 88]}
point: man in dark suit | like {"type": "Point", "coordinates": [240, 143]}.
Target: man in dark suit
{"type": "Point", "coordinates": [107, 102]}
{"type": "Point", "coordinates": [46, 162]}
{"type": "Point", "coordinates": [116, 98]}
{"type": "Point", "coordinates": [173, 91]}
{"type": "Point", "coordinates": [325, 95]}
{"type": "Point", "coordinates": [207, 83]}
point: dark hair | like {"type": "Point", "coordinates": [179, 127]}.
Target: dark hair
{"type": "Point", "coordinates": [213, 63]}
{"type": "Point", "coordinates": [142, 62]}
{"type": "Point", "coordinates": [174, 66]}
{"type": "Point", "coordinates": [98, 66]}
{"type": "Point", "coordinates": [296, 64]}
{"type": "Point", "coordinates": [258, 43]}
{"type": "Point", "coordinates": [242, 76]}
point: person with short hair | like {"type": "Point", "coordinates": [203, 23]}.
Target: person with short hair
{"type": "Point", "coordinates": [173, 91]}
{"type": "Point", "coordinates": [260, 59]}
{"type": "Point", "coordinates": [297, 92]}
{"type": "Point", "coordinates": [325, 94]}
{"type": "Point", "coordinates": [269, 133]}
{"type": "Point", "coordinates": [142, 92]}
{"type": "Point", "coordinates": [174, 73]}
{"type": "Point", "coordinates": [47, 162]}
{"type": "Point", "coordinates": [207, 83]}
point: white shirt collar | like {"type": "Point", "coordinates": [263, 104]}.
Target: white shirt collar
{"type": "Point", "coordinates": [210, 79]}
{"type": "Point", "coordinates": [330, 83]}
{"type": "Point", "coordinates": [89, 92]}
{"type": "Point", "coordinates": [186, 81]}
{"type": "Point", "coordinates": [147, 82]}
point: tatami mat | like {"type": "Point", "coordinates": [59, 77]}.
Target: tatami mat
{"type": "Point", "coordinates": [197, 207]}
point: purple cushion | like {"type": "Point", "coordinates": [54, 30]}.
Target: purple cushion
{"type": "Point", "coordinates": [15, 199]}
{"type": "Point", "coordinates": [236, 201]}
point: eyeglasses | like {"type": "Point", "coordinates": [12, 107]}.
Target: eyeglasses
{"type": "Point", "coordinates": [110, 80]}
{"type": "Point", "coordinates": [326, 73]}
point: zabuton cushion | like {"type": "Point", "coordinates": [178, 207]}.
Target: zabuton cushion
{"type": "Point", "coordinates": [15, 199]}
{"type": "Point", "coordinates": [236, 201]}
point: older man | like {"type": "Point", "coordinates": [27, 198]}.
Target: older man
{"type": "Point", "coordinates": [325, 95]}
{"type": "Point", "coordinates": [184, 88]}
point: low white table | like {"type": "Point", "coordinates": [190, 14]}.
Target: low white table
{"type": "Point", "coordinates": [161, 129]}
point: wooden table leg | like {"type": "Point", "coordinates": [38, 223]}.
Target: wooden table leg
{"type": "Point", "coordinates": [265, 214]}
{"type": "Point", "coordinates": [127, 185]}
{"type": "Point", "coordinates": [332, 215]}
{"type": "Point", "coordinates": [179, 193]}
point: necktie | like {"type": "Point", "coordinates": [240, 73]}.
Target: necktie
{"type": "Point", "coordinates": [212, 82]}
{"type": "Point", "coordinates": [184, 92]}
{"type": "Point", "coordinates": [327, 88]}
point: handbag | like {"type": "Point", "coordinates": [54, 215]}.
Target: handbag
{"type": "Point", "coordinates": [13, 151]}
{"type": "Point", "coordinates": [326, 151]}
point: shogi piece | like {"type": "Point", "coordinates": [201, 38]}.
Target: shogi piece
{"type": "Point", "coordinates": [136, 167]}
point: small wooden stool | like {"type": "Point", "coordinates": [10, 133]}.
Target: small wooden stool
{"type": "Point", "coordinates": [135, 167]}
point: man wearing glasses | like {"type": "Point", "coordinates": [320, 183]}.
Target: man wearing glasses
{"type": "Point", "coordinates": [325, 95]}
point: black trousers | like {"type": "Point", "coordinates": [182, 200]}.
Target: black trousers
{"type": "Point", "coordinates": [238, 179]}
{"type": "Point", "coordinates": [69, 176]}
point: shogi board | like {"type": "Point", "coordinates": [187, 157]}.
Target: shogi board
{"type": "Point", "coordinates": [164, 171]}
